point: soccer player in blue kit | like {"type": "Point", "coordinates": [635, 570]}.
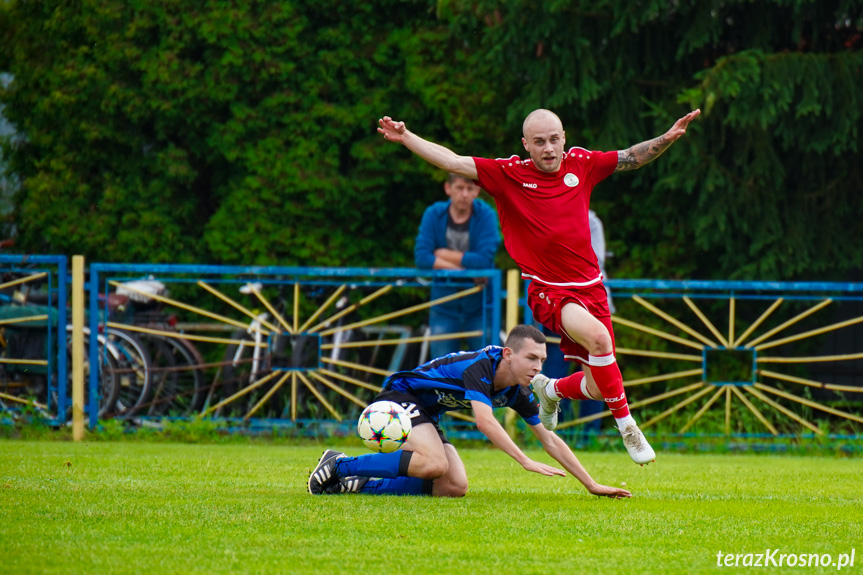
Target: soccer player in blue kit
{"type": "Point", "coordinates": [428, 464]}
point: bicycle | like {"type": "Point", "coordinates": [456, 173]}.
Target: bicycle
{"type": "Point", "coordinates": [27, 375]}
{"type": "Point", "coordinates": [176, 378]}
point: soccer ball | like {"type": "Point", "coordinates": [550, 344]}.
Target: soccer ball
{"type": "Point", "coordinates": [384, 426]}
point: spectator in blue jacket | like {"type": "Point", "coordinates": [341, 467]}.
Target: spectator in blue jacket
{"type": "Point", "coordinates": [458, 234]}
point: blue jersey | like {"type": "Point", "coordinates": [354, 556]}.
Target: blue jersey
{"type": "Point", "coordinates": [454, 380]}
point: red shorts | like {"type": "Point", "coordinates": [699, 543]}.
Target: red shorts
{"type": "Point", "coordinates": [546, 302]}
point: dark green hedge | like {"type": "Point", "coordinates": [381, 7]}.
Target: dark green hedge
{"type": "Point", "coordinates": [244, 132]}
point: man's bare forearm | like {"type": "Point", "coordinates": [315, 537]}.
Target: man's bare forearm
{"type": "Point", "coordinates": [563, 455]}
{"type": "Point", "coordinates": [452, 257]}
{"type": "Point", "coordinates": [432, 153]}
{"type": "Point", "coordinates": [645, 152]}
{"type": "Point", "coordinates": [642, 154]}
{"type": "Point", "coordinates": [442, 264]}
{"type": "Point", "coordinates": [439, 156]}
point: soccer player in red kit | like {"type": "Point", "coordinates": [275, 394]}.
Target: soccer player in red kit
{"type": "Point", "coordinates": [542, 204]}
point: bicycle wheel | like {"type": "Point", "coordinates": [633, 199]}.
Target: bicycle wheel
{"type": "Point", "coordinates": [178, 380]}
{"type": "Point", "coordinates": [134, 372]}
{"type": "Point", "coordinates": [108, 383]}
{"type": "Point", "coordinates": [163, 379]}
{"type": "Point", "coordinates": [194, 362]}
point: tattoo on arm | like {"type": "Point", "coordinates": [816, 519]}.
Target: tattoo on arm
{"type": "Point", "coordinates": [641, 154]}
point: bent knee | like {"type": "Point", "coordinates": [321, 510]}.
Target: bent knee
{"type": "Point", "coordinates": [452, 489]}
{"type": "Point", "coordinates": [599, 344]}
{"type": "Point", "coordinates": [458, 489]}
{"type": "Point", "coordinates": [432, 469]}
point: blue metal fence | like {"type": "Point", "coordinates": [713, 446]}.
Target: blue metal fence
{"type": "Point", "coordinates": [105, 276]}
{"type": "Point", "coordinates": [56, 285]}
{"type": "Point", "coordinates": [844, 334]}
{"type": "Point", "coordinates": [742, 331]}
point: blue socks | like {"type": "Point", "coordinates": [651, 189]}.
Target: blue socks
{"type": "Point", "coordinates": [384, 465]}
{"type": "Point", "coordinates": [397, 486]}
{"type": "Point", "coordinates": [388, 473]}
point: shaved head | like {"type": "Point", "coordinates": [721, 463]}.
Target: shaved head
{"type": "Point", "coordinates": [540, 116]}
{"type": "Point", "coordinates": [544, 139]}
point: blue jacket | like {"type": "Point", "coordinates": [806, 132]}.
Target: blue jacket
{"type": "Point", "coordinates": [484, 240]}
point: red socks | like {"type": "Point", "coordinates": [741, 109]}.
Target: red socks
{"type": "Point", "coordinates": [608, 379]}
{"type": "Point", "coordinates": [572, 387]}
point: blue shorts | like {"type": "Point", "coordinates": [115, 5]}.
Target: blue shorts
{"type": "Point", "coordinates": [416, 411]}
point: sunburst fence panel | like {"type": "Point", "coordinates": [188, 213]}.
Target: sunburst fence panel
{"type": "Point", "coordinates": [254, 344]}
{"type": "Point", "coordinates": [746, 358]}
{"type": "Point", "coordinates": [33, 349]}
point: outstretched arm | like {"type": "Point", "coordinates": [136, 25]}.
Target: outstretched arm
{"type": "Point", "coordinates": [555, 447]}
{"type": "Point", "coordinates": [490, 427]}
{"type": "Point", "coordinates": [645, 152]}
{"type": "Point", "coordinates": [435, 154]}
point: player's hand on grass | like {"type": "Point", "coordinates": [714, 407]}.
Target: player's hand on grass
{"type": "Point", "coordinates": [679, 127]}
{"type": "Point", "coordinates": [391, 130]}
{"type": "Point", "coordinates": [542, 468]}
{"type": "Point", "coordinates": [606, 491]}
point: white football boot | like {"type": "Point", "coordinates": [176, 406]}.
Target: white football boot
{"type": "Point", "coordinates": [548, 407]}
{"type": "Point", "coordinates": [636, 444]}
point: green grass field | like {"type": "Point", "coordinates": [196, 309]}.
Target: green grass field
{"type": "Point", "coordinates": [134, 507]}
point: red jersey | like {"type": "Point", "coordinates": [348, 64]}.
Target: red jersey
{"type": "Point", "coordinates": [543, 216]}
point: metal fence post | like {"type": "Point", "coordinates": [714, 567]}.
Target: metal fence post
{"type": "Point", "coordinates": [513, 277]}
{"type": "Point", "coordinates": [77, 348]}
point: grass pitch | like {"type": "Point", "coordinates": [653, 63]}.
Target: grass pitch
{"type": "Point", "coordinates": [181, 508]}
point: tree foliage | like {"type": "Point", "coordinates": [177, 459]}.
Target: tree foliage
{"type": "Point", "coordinates": [244, 131]}
{"type": "Point", "coordinates": [221, 131]}
{"type": "Point", "coordinates": [766, 183]}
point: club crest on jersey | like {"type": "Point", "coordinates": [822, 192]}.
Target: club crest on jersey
{"type": "Point", "coordinates": [570, 180]}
